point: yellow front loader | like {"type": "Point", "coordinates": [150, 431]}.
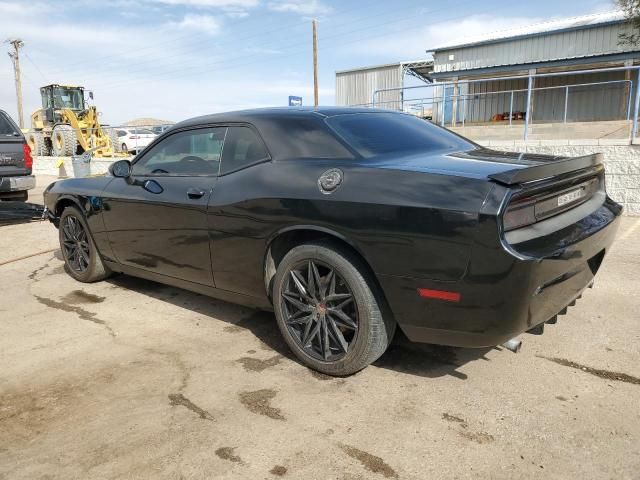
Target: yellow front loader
{"type": "Point", "coordinates": [66, 125]}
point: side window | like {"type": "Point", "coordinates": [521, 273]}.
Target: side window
{"type": "Point", "coordinates": [242, 147]}
{"type": "Point", "coordinates": [194, 152]}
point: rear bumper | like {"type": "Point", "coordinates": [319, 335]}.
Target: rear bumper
{"type": "Point", "coordinates": [18, 183]}
{"type": "Point", "coordinates": [506, 291]}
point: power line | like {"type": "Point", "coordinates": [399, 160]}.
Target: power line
{"type": "Point", "coordinates": [228, 65]}
{"type": "Point", "coordinates": [137, 49]}
{"type": "Point", "coordinates": [36, 66]}
{"type": "Point", "coordinates": [140, 66]}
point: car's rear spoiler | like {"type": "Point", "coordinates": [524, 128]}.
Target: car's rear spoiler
{"type": "Point", "coordinates": [546, 170]}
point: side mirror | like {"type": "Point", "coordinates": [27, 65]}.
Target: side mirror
{"type": "Point", "coordinates": [120, 169]}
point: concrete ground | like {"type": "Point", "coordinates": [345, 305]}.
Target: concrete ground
{"type": "Point", "coordinates": [131, 379]}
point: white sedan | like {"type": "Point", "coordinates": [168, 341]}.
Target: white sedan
{"type": "Point", "coordinates": [134, 139]}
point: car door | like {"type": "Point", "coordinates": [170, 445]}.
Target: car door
{"type": "Point", "coordinates": [161, 226]}
{"type": "Point", "coordinates": [236, 223]}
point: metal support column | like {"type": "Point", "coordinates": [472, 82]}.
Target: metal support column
{"type": "Point", "coordinates": [566, 102]}
{"type": "Point", "coordinates": [634, 132]}
{"type": "Point", "coordinates": [444, 100]}
{"type": "Point", "coordinates": [464, 109]}
{"type": "Point", "coordinates": [511, 108]}
{"type": "Point", "coordinates": [528, 110]}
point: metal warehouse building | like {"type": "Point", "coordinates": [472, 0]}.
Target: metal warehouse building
{"type": "Point", "coordinates": [572, 70]}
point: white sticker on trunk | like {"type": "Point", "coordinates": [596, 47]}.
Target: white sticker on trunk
{"type": "Point", "coordinates": [570, 197]}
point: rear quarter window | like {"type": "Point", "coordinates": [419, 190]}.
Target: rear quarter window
{"type": "Point", "coordinates": [375, 134]}
{"type": "Point", "coordinates": [302, 136]}
{"type": "Point", "coordinates": [242, 147]}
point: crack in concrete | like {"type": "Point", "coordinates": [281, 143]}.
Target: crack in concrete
{"type": "Point", "coordinates": [81, 312]}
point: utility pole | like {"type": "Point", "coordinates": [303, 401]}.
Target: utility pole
{"type": "Point", "coordinates": [17, 44]}
{"type": "Point", "coordinates": [315, 63]}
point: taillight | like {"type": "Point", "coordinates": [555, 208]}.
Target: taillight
{"type": "Point", "coordinates": [519, 215]}
{"type": "Point", "coordinates": [28, 159]}
{"type": "Point", "coordinates": [529, 210]}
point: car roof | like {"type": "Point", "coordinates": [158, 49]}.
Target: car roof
{"type": "Point", "coordinates": [262, 114]}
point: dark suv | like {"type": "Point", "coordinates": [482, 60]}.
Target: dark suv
{"type": "Point", "coordinates": [15, 161]}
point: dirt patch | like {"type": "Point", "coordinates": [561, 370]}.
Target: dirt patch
{"type": "Point", "coordinates": [561, 398]}
{"type": "Point", "coordinates": [34, 274]}
{"type": "Point", "coordinates": [259, 402]}
{"type": "Point", "coordinates": [278, 471]}
{"type": "Point", "coordinates": [606, 374]}
{"type": "Point", "coordinates": [257, 365]}
{"type": "Point", "coordinates": [26, 413]}
{"type": "Point", "coordinates": [226, 453]}
{"type": "Point", "coordinates": [59, 270]}
{"type": "Point", "coordinates": [81, 312]}
{"type": "Point", "coordinates": [178, 399]}
{"type": "Point", "coordinates": [370, 462]}
{"type": "Point", "coordinates": [478, 437]}
{"type": "Point", "coordinates": [452, 418]}
{"type": "Point", "coordinates": [78, 297]}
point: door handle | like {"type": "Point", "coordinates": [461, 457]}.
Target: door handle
{"type": "Point", "coordinates": [195, 193]}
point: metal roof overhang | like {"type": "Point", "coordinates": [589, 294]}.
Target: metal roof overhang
{"type": "Point", "coordinates": [570, 62]}
{"type": "Point", "coordinates": [421, 69]}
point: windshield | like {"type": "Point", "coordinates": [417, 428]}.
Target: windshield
{"type": "Point", "coordinates": [68, 98]}
{"type": "Point", "coordinates": [380, 133]}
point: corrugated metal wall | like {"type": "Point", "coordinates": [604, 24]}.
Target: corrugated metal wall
{"type": "Point", "coordinates": [357, 87]}
{"type": "Point", "coordinates": [585, 103]}
{"type": "Point", "coordinates": [594, 41]}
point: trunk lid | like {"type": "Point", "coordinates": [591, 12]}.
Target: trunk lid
{"type": "Point", "coordinates": [479, 163]}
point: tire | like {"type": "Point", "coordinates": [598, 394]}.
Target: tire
{"type": "Point", "coordinates": [124, 148]}
{"type": "Point", "coordinates": [35, 140]}
{"type": "Point", "coordinates": [358, 346]}
{"type": "Point", "coordinates": [87, 267]}
{"type": "Point", "coordinates": [64, 141]}
{"type": "Point", "coordinates": [115, 141]}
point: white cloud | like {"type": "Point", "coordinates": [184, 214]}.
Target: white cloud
{"type": "Point", "coordinates": [8, 8]}
{"type": "Point", "coordinates": [203, 23]}
{"type": "Point", "coordinates": [237, 14]}
{"type": "Point", "coordinates": [413, 43]}
{"type": "Point", "coordinates": [301, 7]}
{"type": "Point", "coordinates": [211, 3]}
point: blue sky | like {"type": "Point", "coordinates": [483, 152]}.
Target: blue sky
{"type": "Point", "coordinates": [173, 59]}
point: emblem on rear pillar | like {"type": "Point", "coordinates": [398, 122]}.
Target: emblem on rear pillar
{"type": "Point", "coordinates": [330, 180]}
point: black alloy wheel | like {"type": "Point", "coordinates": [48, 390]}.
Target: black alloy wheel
{"type": "Point", "coordinates": [75, 244]}
{"type": "Point", "coordinates": [320, 310]}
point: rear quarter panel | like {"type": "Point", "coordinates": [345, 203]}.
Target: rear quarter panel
{"type": "Point", "coordinates": [402, 223]}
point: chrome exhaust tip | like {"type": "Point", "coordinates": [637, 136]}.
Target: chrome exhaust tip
{"type": "Point", "coordinates": [514, 345]}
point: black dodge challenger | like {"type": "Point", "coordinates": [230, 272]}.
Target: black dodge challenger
{"type": "Point", "coordinates": [346, 222]}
